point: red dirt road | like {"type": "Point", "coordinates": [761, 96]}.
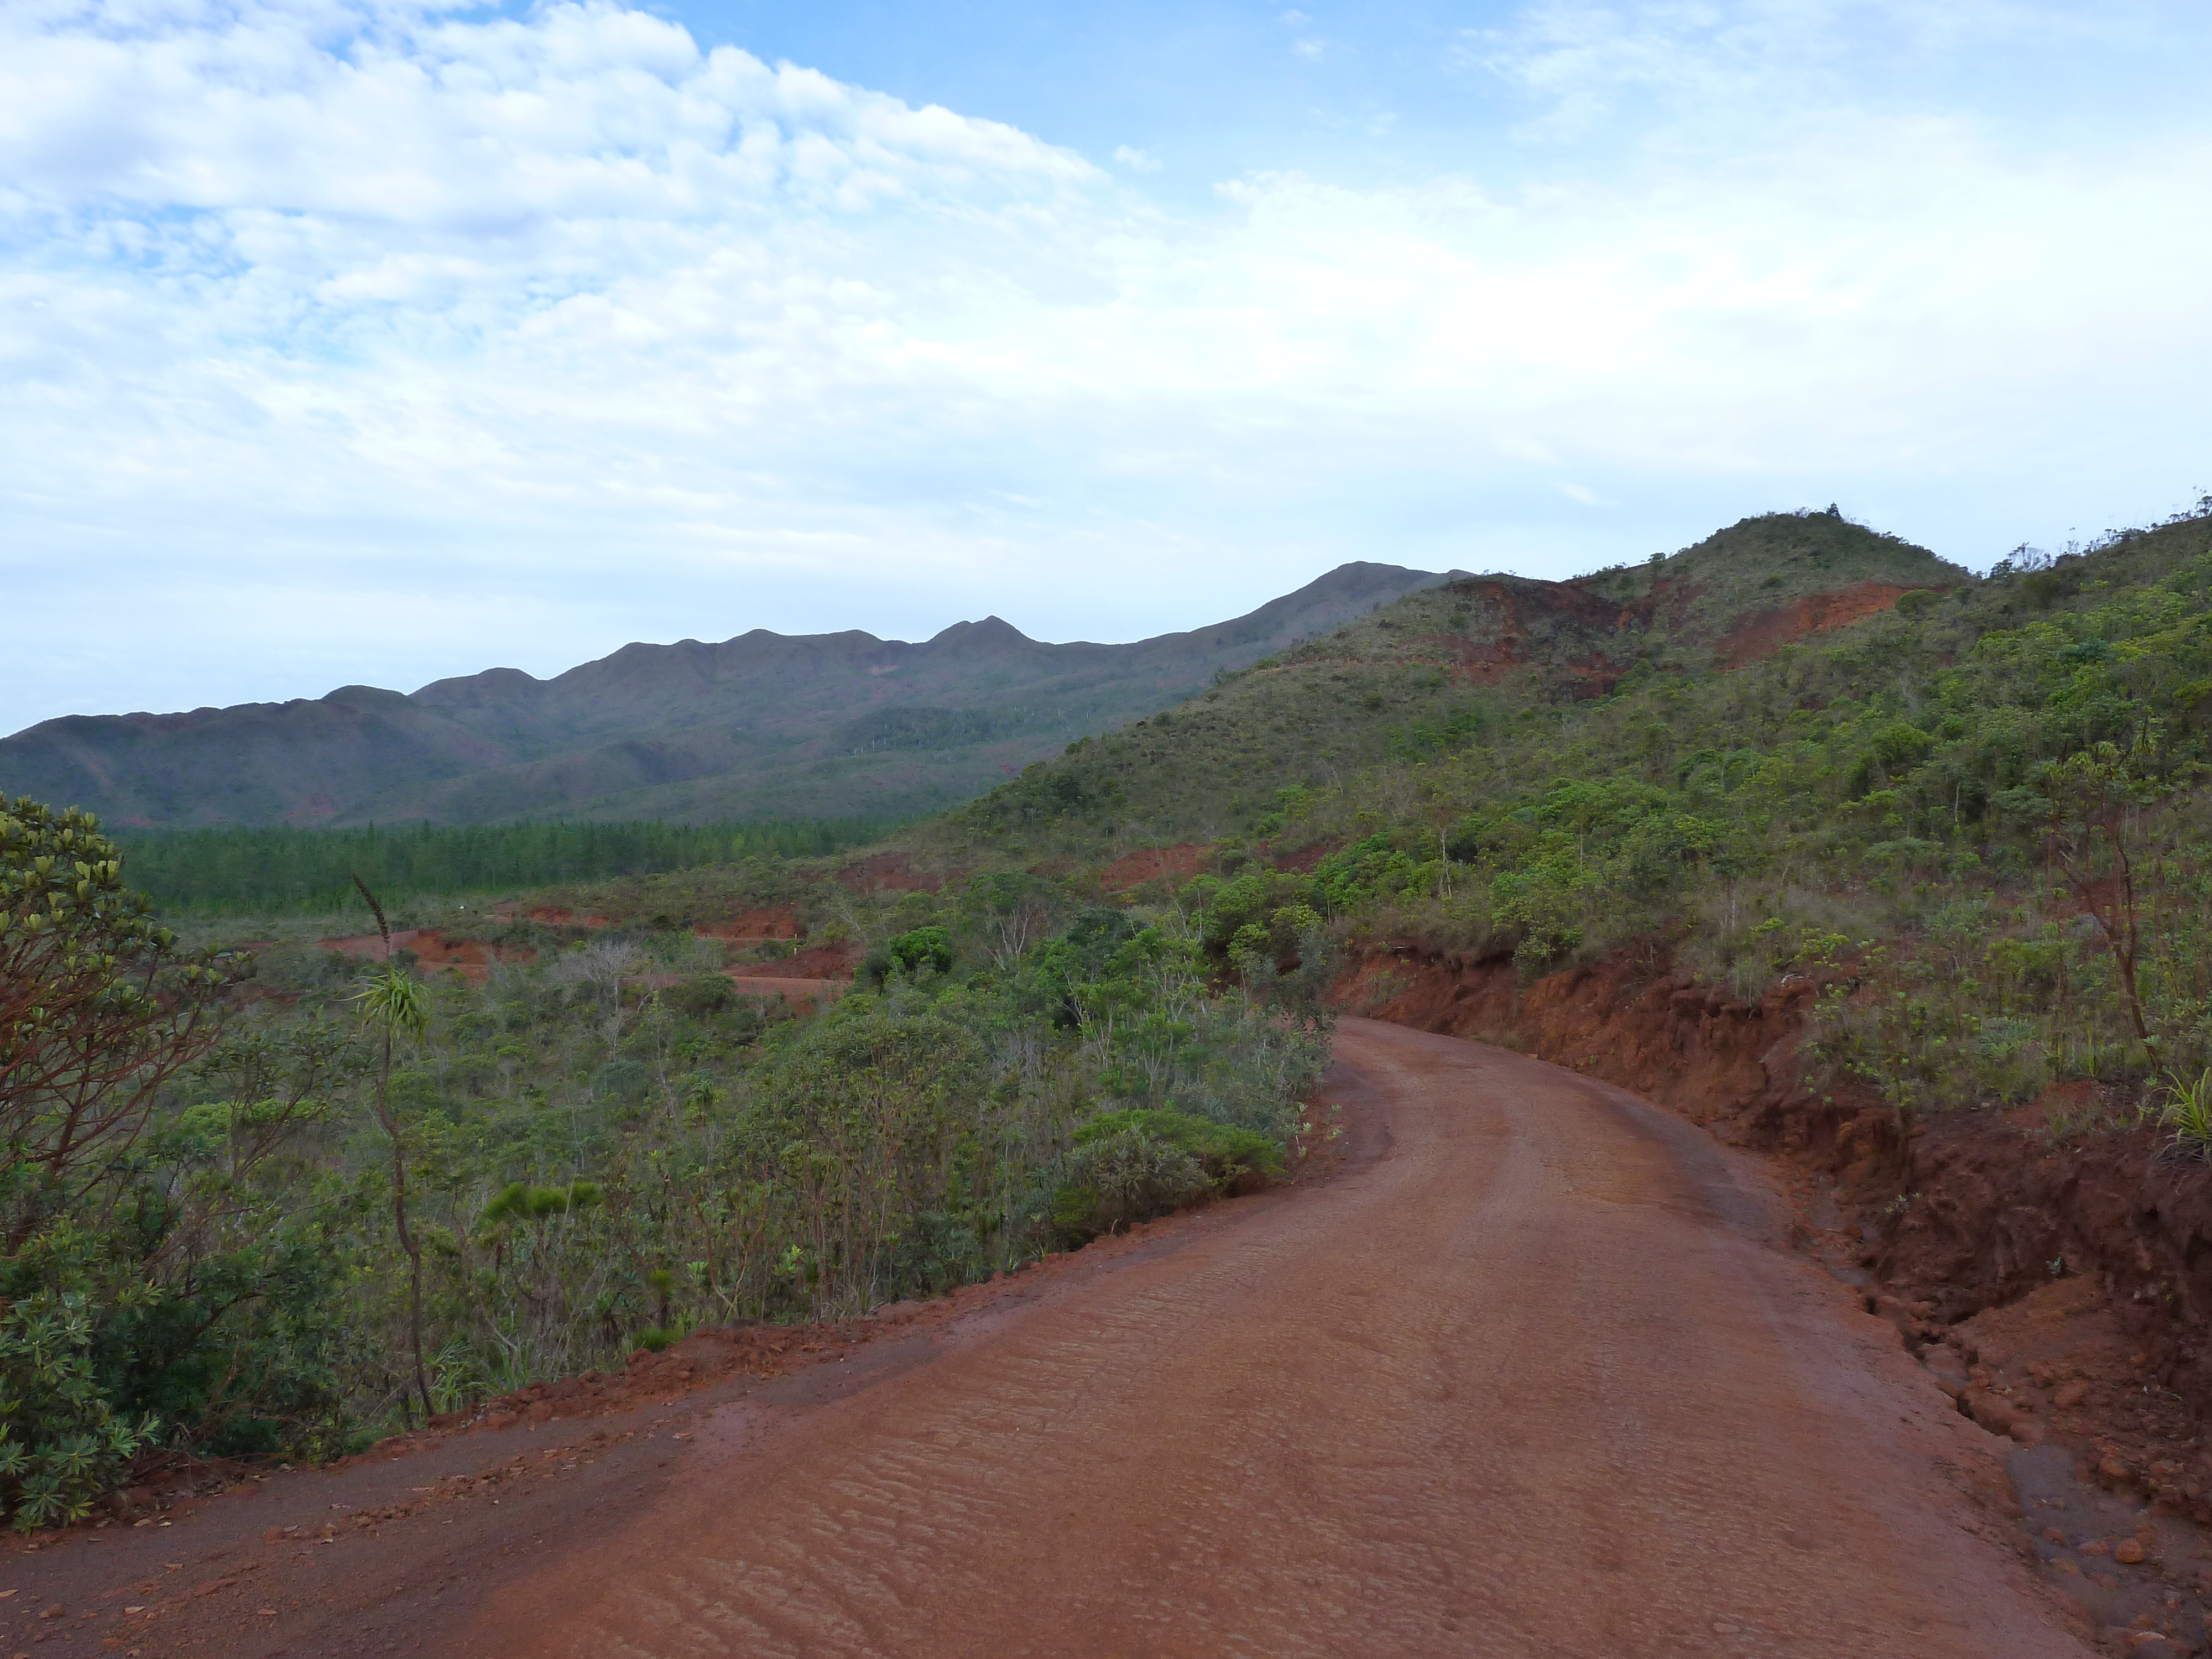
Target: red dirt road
{"type": "Point", "coordinates": [1530, 1379]}
{"type": "Point", "coordinates": [1531, 1376]}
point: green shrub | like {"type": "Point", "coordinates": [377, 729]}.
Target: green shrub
{"type": "Point", "coordinates": [702, 996]}
{"type": "Point", "coordinates": [61, 1445]}
{"type": "Point", "coordinates": [912, 953]}
{"type": "Point", "coordinates": [1233, 1159]}
{"type": "Point", "coordinates": [935, 1252]}
{"type": "Point", "coordinates": [1113, 1180]}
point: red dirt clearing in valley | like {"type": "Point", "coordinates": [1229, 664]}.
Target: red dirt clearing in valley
{"type": "Point", "coordinates": [804, 995]}
{"type": "Point", "coordinates": [814, 962]}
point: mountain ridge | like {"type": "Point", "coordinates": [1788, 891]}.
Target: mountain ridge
{"type": "Point", "coordinates": [762, 724]}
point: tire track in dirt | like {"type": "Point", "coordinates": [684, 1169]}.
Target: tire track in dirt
{"type": "Point", "coordinates": [1532, 1378]}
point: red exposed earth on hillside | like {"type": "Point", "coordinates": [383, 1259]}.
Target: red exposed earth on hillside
{"type": "Point", "coordinates": [1176, 863]}
{"type": "Point", "coordinates": [753, 926]}
{"type": "Point", "coordinates": [436, 949]}
{"type": "Point", "coordinates": [1765, 632]}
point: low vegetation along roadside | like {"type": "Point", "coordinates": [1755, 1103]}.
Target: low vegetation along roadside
{"type": "Point", "coordinates": [280, 1201]}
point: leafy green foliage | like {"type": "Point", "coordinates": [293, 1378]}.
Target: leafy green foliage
{"type": "Point", "coordinates": [1107, 1182]}
{"type": "Point", "coordinates": [1454, 666]}
{"type": "Point", "coordinates": [1977, 819]}
{"type": "Point", "coordinates": [1234, 1158]}
{"type": "Point", "coordinates": [99, 1007]}
{"type": "Point", "coordinates": [588, 1152]}
{"type": "Point", "coordinates": [918, 951]}
{"type": "Point", "coordinates": [2188, 1113]}
{"type": "Point", "coordinates": [140, 1275]}
{"type": "Point", "coordinates": [62, 1444]}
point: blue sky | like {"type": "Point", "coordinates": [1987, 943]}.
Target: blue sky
{"type": "Point", "coordinates": [378, 340]}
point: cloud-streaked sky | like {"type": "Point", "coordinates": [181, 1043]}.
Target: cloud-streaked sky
{"type": "Point", "coordinates": [382, 340]}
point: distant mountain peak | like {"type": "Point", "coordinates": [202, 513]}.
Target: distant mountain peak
{"type": "Point", "coordinates": [991, 631]}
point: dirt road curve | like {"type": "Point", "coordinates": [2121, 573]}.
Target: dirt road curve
{"type": "Point", "coordinates": [1530, 1379]}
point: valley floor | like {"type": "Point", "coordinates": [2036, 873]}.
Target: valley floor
{"type": "Point", "coordinates": [1534, 1374]}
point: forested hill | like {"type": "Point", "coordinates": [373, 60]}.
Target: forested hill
{"type": "Point", "coordinates": [1477, 662]}
{"type": "Point", "coordinates": [1981, 811]}
{"type": "Point", "coordinates": [761, 726]}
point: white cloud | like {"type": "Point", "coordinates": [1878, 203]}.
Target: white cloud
{"type": "Point", "coordinates": [1137, 161]}
{"type": "Point", "coordinates": [557, 331]}
{"type": "Point", "coordinates": [1718, 66]}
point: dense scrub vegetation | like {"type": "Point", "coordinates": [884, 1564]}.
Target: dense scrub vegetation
{"type": "Point", "coordinates": [1979, 819]}
{"type": "Point", "coordinates": [1422, 676]}
{"type": "Point", "coordinates": [599, 1147]}
{"type": "Point", "coordinates": [276, 872]}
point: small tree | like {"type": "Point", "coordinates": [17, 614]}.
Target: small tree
{"type": "Point", "coordinates": [2097, 803]}
{"type": "Point", "coordinates": [392, 1005]}
{"type": "Point", "coordinates": [1011, 908]}
{"type": "Point", "coordinates": [100, 1008]}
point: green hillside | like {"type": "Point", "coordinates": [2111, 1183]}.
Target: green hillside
{"type": "Point", "coordinates": [1947, 795]}
{"type": "Point", "coordinates": [1438, 670]}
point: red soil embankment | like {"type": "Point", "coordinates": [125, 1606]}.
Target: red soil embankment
{"type": "Point", "coordinates": [1981, 1227]}
{"type": "Point", "coordinates": [1722, 1063]}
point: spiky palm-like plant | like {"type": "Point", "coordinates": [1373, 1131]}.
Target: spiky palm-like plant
{"type": "Point", "coordinates": [2188, 1113]}
{"type": "Point", "coordinates": [392, 1005]}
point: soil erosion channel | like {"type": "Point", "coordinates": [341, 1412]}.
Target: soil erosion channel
{"type": "Point", "coordinates": [1530, 1378]}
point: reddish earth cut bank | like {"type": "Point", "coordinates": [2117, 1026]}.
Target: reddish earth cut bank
{"type": "Point", "coordinates": [2104, 1243]}
{"type": "Point", "coordinates": [1535, 1374]}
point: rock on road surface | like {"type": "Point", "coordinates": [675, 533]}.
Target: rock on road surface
{"type": "Point", "coordinates": [1531, 1377]}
